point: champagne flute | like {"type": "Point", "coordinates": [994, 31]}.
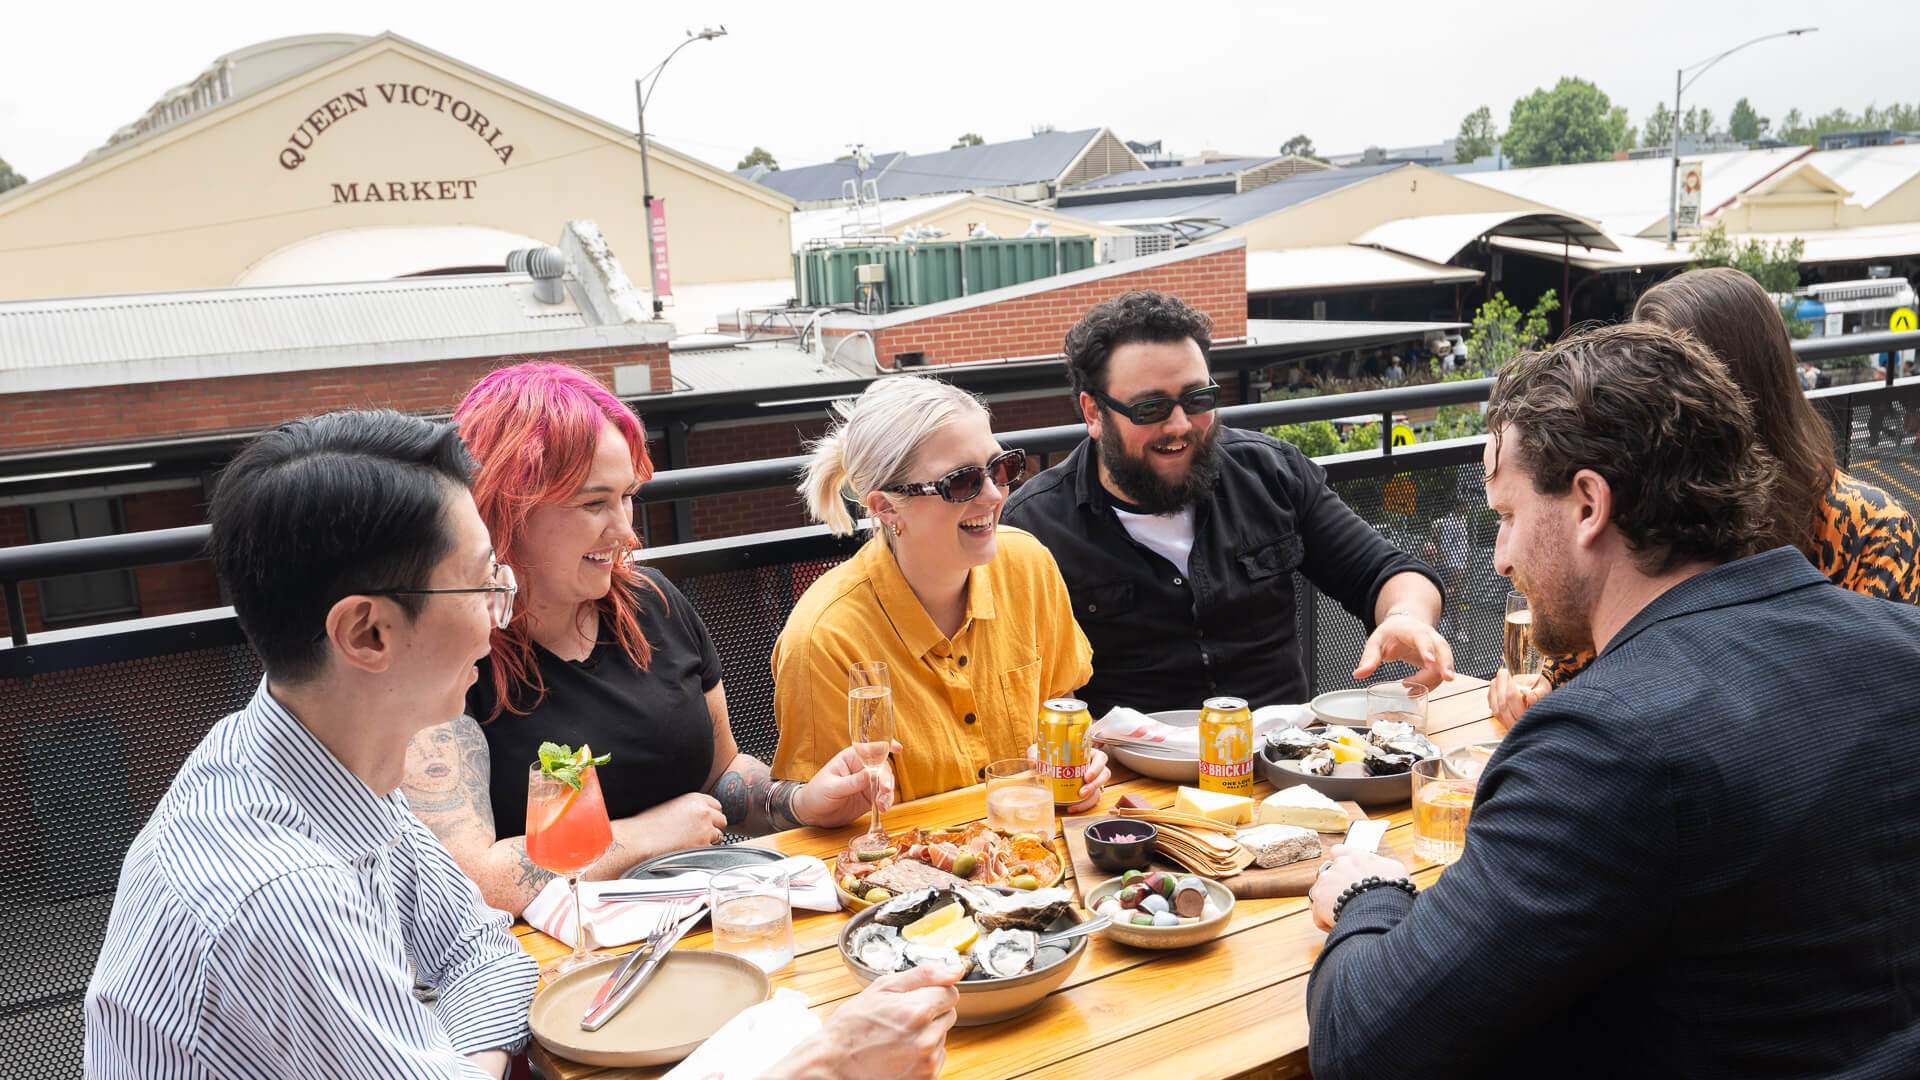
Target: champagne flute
{"type": "Point", "coordinates": [567, 831]}
{"type": "Point", "coordinates": [870, 727]}
{"type": "Point", "coordinates": [1517, 651]}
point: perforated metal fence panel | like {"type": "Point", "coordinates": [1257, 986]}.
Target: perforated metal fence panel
{"type": "Point", "coordinates": [86, 753]}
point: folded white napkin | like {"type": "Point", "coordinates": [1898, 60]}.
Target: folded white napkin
{"type": "Point", "coordinates": [1130, 727]}
{"type": "Point", "coordinates": [616, 922]}
{"type": "Point", "coordinates": [753, 1041]}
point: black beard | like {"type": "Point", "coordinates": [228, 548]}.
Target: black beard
{"type": "Point", "coordinates": [1144, 487]}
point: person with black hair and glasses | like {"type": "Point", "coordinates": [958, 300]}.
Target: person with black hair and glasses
{"type": "Point", "coordinates": [1179, 536]}
{"type": "Point", "coordinates": [273, 915]}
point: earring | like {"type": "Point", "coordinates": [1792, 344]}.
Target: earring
{"type": "Point", "coordinates": [894, 528]}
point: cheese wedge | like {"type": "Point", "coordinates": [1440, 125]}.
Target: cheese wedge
{"type": "Point", "coordinates": [1304, 807]}
{"type": "Point", "coordinates": [1279, 845]}
{"type": "Point", "coordinates": [1215, 806]}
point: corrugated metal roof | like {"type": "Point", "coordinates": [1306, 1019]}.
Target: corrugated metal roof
{"type": "Point", "coordinates": [990, 165]}
{"type": "Point", "coordinates": [1871, 173]}
{"type": "Point", "coordinates": [149, 326]}
{"type": "Point", "coordinates": [750, 368]}
{"type": "Point", "coordinates": [1437, 238]}
{"type": "Point", "coordinates": [1232, 167]}
{"type": "Point", "coordinates": [1630, 197]}
{"type": "Point", "coordinates": [1233, 210]}
{"type": "Point", "coordinates": [818, 183]}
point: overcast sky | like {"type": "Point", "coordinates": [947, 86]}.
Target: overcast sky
{"type": "Point", "coordinates": [806, 79]}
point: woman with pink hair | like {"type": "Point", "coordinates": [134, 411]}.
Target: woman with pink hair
{"type": "Point", "coordinates": [600, 650]}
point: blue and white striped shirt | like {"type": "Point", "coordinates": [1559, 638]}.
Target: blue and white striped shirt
{"type": "Point", "coordinates": [272, 917]}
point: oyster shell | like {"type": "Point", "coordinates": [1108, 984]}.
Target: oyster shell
{"type": "Point", "coordinates": [1389, 764]}
{"type": "Point", "coordinates": [908, 907]}
{"type": "Point", "coordinates": [1036, 910]}
{"type": "Point", "coordinates": [1318, 763]}
{"type": "Point", "coordinates": [1417, 745]}
{"type": "Point", "coordinates": [1003, 954]}
{"type": "Point", "coordinates": [917, 954]}
{"type": "Point", "coordinates": [1290, 742]}
{"type": "Point", "coordinates": [879, 947]}
{"type": "Point", "coordinates": [1385, 731]}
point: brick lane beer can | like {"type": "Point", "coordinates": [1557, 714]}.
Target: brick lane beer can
{"type": "Point", "coordinates": [1063, 747]}
{"type": "Point", "coordinates": [1226, 746]}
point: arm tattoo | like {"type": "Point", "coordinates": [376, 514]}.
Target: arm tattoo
{"type": "Point", "coordinates": [448, 779]}
{"type": "Point", "coordinates": [753, 800]}
{"type": "Point", "coordinates": [531, 878]}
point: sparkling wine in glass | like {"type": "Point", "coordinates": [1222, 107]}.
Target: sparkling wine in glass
{"type": "Point", "coordinates": [567, 831]}
{"type": "Point", "coordinates": [870, 728]}
{"type": "Point", "coordinates": [1517, 651]}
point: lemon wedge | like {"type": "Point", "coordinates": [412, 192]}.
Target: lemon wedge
{"type": "Point", "coordinates": [932, 922]}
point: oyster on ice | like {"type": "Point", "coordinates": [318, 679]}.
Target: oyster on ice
{"type": "Point", "coordinates": [1035, 910]}
{"type": "Point", "coordinates": [1003, 954]}
{"type": "Point", "coordinates": [879, 947]}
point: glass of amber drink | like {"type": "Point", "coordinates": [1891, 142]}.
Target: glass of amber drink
{"type": "Point", "coordinates": [567, 831]}
{"type": "Point", "coordinates": [1442, 803]}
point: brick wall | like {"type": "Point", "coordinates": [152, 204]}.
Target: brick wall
{"type": "Point", "coordinates": [97, 415]}
{"type": "Point", "coordinates": [1033, 325]}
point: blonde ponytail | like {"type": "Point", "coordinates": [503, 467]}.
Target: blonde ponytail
{"type": "Point", "coordinates": [875, 441]}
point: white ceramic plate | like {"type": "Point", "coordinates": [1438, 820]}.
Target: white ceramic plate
{"type": "Point", "coordinates": [1347, 708]}
{"type": "Point", "coordinates": [1161, 765]}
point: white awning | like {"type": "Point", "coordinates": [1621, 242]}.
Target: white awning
{"type": "Point", "coordinates": [1439, 237]}
{"type": "Point", "coordinates": [1821, 246]}
{"type": "Point", "coordinates": [1344, 266]}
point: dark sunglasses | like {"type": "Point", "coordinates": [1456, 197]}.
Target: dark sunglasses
{"type": "Point", "coordinates": [965, 484]}
{"type": "Point", "coordinates": [1155, 410]}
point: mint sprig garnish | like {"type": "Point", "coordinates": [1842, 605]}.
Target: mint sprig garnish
{"type": "Point", "coordinates": [559, 761]}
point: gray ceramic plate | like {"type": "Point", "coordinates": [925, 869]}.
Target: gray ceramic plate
{"type": "Point", "coordinates": [1368, 791]}
{"type": "Point", "coordinates": [701, 858]}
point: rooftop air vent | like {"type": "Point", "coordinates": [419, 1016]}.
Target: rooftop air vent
{"type": "Point", "coordinates": [546, 266]}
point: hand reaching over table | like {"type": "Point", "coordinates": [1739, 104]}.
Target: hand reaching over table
{"type": "Point", "coordinates": [1407, 638]}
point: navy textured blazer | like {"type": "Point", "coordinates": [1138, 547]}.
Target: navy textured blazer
{"type": "Point", "coordinates": [1699, 858]}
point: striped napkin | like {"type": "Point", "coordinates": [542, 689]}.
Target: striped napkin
{"type": "Point", "coordinates": [617, 922]}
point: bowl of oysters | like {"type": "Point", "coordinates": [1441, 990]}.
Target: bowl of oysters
{"type": "Point", "coordinates": [1016, 945]}
{"type": "Point", "coordinates": [1368, 765]}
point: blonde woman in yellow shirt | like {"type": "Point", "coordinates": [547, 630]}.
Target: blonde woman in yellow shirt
{"type": "Point", "coordinates": [971, 617]}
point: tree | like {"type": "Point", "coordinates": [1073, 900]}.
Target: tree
{"type": "Point", "coordinates": [1624, 135]}
{"type": "Point", "coordinates": [1500, 332]}
{"type": "Point", "coordinates": [8, 178]}
{"type": "Point", "coordinates": [1659, 129]}
{"type": "Point", "coordinates": [1477, 136]}
{"type": "Point", "coordinates": [1745, 124]}
{"type": "Point", "coordinates": [1560, 126]}
{"type": "Point", "coordinates": [1300, 145]}
{"type": "Point", "coordinates": [1697, 121]}
{"type": "Point", "coordinates": [759, 155]}
{"type": "Point", "coordinates": [969, 139]}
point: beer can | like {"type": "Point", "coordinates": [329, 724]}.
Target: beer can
{"type": "Point", "coordinates": [1226, 746]}
{"type": "Point", "coordinates": [1063, 747]}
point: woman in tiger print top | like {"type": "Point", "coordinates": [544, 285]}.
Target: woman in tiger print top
{"type": "Point", "coordinates": [1855, 533]}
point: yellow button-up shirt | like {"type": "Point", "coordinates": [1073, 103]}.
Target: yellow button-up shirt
{"type": "Point", "coordinates": [959, 703]}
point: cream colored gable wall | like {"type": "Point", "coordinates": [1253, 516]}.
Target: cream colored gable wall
{"type": "Point", "coordinates": [194, 206]}
{"type": "Point", "coordinates": [1007, 222]}
{"type": "Point", "coordinates": [1342, 216]}
{"type": "Point", "coordinates": [1898, 207]}
{"type": "Point", "coordinates": [1803, 199]}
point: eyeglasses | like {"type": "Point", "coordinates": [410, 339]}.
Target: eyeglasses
{"type": "Point", "coordinates": [1155, 410]}
{"type": "Point", "coordinates": [499, 594]}
{"type": "Point", "coordinates": [965, 484]}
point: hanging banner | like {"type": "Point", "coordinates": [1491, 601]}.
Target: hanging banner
{"type": "Point", "coordinates": [657, 235]}
{"type": "Point", "coordinates": [1687, 216]}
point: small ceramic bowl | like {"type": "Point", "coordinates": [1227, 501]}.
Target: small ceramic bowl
{"type": "Point", "coordinates": [1165, 937]}
{"type": "Point", "coordinates": [1116, 855]}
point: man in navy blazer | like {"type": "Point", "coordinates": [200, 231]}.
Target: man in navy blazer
{"type": "Point", "coordinates": [1699, 858]}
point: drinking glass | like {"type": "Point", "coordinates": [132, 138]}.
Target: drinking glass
{"type": "Point", "coordinates": [752, 916]}
{"type": "Point", "coordinates": [870, 728]}
{"type": "Point", "coordinates": [567, 831]}
{"type": "Point", "coordinates": [1443, 791]}
{"type": "Point", "coordinates": [1019, 798]}
{"type": "Point", "coordinates": [1517, 651]}
{"type": "Point", "coordinates": [1399, 702]}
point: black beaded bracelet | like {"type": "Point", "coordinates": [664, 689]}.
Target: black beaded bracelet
{"type": "Point", "coordinates": [1365, 883]}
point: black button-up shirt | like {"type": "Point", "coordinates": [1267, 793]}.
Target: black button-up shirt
{"type": "Point", "coordinates": [1166, 640]}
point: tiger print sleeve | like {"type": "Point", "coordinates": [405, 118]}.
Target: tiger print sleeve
{"type": "Point", "coordinates": [1866, 542]}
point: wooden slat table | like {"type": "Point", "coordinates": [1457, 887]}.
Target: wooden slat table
{"type": "Point", "coordinates": [1235, 1006]}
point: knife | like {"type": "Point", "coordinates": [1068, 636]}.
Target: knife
{"type": "Point", "coordinates": [675, 911]}
{"type": "Point", "coordinates": [1364, 835]}
{"type": "Point", "coordinates": [597, 1017]}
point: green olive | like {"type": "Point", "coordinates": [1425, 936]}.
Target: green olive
{"type": "Point", "coordinates": [1025, 881]}
{"type": "Point", "coordinates": [1027, 836]}
{"type": "Point", "coordinates": [964, 863]}
{"type": "Point", "coordinates": [850, 883]}
{"type": "Point", "coordinates": [876, 894]}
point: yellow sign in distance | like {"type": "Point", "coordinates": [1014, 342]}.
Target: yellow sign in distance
{"type": "Point", "coordinates": [1402, 435]}
{"type": "Point", "coordinates": [1903, 321]}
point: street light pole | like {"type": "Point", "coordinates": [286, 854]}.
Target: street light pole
{"type": "Point", "coordinates": [1699, 69]}
{"type": "Point", "coordinates": [641, 94]}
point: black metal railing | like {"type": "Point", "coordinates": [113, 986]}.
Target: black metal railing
{"type": "Point", "coordinates": [131, 550]}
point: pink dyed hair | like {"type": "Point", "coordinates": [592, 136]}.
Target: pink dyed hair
{"type": "Point", "coordinates": [533, 428]}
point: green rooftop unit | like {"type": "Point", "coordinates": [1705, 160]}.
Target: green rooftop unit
{"type": "Point", "coordinates": [918, 274]}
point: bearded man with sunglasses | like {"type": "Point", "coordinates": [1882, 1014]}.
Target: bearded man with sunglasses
{"type": "Point", "coordinates": [1179, 536]}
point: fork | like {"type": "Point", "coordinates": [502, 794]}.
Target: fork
{"type": "Point", "coordinates": [676, 911]}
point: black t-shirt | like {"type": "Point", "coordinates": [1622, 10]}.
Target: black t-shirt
{"type": "Point", "coordinates": [654, 722]}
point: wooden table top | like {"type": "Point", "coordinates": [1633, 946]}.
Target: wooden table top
{"type": "Point", "coordinates": [1233, 1006]}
